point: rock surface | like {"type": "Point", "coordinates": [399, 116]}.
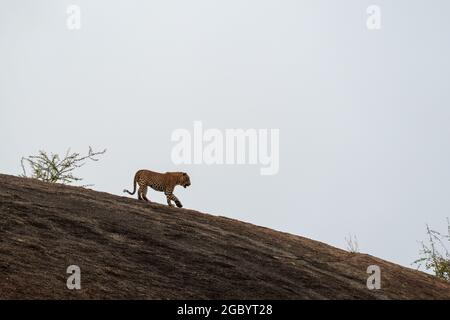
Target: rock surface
{"type": "Point", "coordinates": [128, 249]}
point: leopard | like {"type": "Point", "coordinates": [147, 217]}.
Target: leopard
{"type": "Point", "coordinates": [163, 182]}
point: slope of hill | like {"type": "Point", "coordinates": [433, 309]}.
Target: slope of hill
{"type": "Point", "coordinates": [131, 249]}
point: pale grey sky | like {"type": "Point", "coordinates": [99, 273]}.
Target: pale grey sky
{"type": "Point", "coordinates": [363, 115]}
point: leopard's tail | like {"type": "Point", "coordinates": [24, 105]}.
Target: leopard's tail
{"type": "Point", "coordinates": [134, 186]}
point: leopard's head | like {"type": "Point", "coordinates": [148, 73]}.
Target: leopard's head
{"type": "Point", "coordinates": [185, 181]}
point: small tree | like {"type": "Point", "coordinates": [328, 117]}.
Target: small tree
{"type": "Point", "coordinates": [53, 168]}
{"type": "Point", "coordinates": [434, 255]}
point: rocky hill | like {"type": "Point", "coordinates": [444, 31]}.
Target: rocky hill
{"type": "Point", "coordinates": [130, 249]}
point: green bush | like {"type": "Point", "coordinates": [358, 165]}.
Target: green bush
{"type": "Point", "coordinates": [434, 254]}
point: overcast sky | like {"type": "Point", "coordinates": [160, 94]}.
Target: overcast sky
{"type": "Point", "coordinates": [363, 114]}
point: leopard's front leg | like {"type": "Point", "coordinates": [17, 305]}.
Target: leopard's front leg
{"type": "Point", "coordinates": [171, 197]}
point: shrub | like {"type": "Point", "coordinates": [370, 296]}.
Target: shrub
{"type": "Point", "coordinates": [434, 255]}
{"type": "Point", "coordinates": [52, 168]}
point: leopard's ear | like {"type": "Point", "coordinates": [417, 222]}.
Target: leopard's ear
{"type": "Point", "coordinates": [184, 174]}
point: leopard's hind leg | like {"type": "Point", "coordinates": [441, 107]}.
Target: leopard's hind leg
{"type": "Point", "coordinates": [143, 193]}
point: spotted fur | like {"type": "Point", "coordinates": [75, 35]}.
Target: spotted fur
{"type": "Point", "coordinates": [164, 182]}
